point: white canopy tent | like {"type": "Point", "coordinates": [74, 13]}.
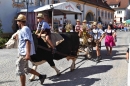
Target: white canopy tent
{"type": "Point", "coordinates": [63, 8]}
{"type": "Point", "coordinates": [59, 9]}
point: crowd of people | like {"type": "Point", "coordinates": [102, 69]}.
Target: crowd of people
{"type": "Point", "coordinates": [97, 32]}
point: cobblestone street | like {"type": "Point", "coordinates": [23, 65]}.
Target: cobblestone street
{"type": "Point", "coordinates": [111, 71]}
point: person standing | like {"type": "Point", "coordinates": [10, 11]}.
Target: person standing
{"type": "Point", "coordinates": [61, 22]}
{"type": "Point", "coordinates": [98, 35]}
{"type": "Point", "coordinates": [78, 27]}
{"type": "Point", "coordinates": [44, 28]}
{"type": "Point", "coordinates": [109, 39]}
{"type": "Point", "coordinates": [25, 50]}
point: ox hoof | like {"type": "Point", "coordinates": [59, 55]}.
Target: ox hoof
{"type": "Point", "coordinates": [30, 80]}
{"type": "Point", "coordinates": [59, 74]}
{"type": "Point", "coordinates": [71, 70]}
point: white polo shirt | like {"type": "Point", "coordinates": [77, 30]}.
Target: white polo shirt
{"type": "Point", "coordinates": [97, 33]}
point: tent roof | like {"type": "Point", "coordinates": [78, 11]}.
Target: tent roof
{"type": "Point", "coordinates": [60, 8]}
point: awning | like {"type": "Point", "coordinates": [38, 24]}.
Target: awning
{"type": "Point", "coordinates": [60, 8]}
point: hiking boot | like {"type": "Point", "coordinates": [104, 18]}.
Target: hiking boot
{"type": "Point", "coordinates": [42, 78]}
{"type": "Point", "coordinates": [97, 59]}
{"type": "Point", "coordinates": [100, 57]}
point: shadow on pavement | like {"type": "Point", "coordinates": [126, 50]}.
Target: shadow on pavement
{"type": "Point", "coordinates": [2, 82]}
{"type": "Point", "coordinates": [79, 76]}
{"type": "Point", "coordinates": [119, 46]}
{"type": "Point", "coordinates": [116, 55]}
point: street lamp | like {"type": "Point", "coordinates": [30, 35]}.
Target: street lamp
{"type": "Point", "coordinates": [27, 4]}
{"type": "Point", "coordinates": [52, 8]}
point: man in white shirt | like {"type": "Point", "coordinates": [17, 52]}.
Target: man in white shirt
{"type": "Point", "coordinates": [98, 35]}
{"type": "Point", "coordinates": [25, 50]}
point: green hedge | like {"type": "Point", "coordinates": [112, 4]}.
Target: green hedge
{"type": "Point", "coordinates": [3, 41]}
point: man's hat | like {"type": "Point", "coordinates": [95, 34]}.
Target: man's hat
{"type": "Point", "coordinates": [94, 23]}
{"type": "Point", "coordinates": [21, 17]}
{"type": "Point", "coordinates": [41, 15]}
{"type": "Point", "coordinates": [84, 21]}
{"type": "Point", "coordinates": [77, 20]}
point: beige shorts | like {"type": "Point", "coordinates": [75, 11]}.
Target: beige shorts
{"type": "Point", "coordinates": [22, 66]}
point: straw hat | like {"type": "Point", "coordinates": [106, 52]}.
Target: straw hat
{"type": "Point", "coordinates": [77, 20]}
{"type": "Point", "coordinates": [84, 21]}
{"type": "Point", "coordinates": [99, 26]}
{"type": "Point", "coordinates": [21, 17]}
{"type": "Point", "coordinates": [94, 23]}
{"type": "Point", "coordinates": [40, 15]}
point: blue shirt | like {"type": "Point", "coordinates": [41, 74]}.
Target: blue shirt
{"type": "Point", "coordinates": [25, 34]}
{"type": "Point", "coordinates": [43, 25]}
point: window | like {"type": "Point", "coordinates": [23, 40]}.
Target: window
{"type": "Point", "coordinates": [79, 6]}
{"type": "Point", "coordinates": [108, 15]}
{"type": "Point", "coordinates": [111, 15]}
{"type": "Point", "coordinates": [102, 14]}
{"type": "Point", "coordinates": [98, 12]}
{"type": "Point", "coordinates": [105, 14]}
{"type": "Point", "coordinates": [119, 12]}
{"type": "Point", "coordinates": [55, 1]}
{"type": "Point", "coordinates": [42, 2]}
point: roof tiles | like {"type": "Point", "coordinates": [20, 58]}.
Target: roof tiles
{"type": "Point", "coordinates": [98, 3]}
{"type": "Point", "coordinates": [123, 3]}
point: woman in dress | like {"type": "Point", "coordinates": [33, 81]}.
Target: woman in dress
{"type": "Point", "coordinates": [78, 27]}
{"type": "Point", "coordinates": [109, 39]}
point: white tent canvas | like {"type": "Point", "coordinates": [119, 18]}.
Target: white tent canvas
{"type": "Point", "coordinates": [60, 8]}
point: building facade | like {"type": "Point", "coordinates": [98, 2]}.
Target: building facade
{"type": "Point", "coordinates": [122, 12]}
{"type": "Point", "coordinates": [92, 10]}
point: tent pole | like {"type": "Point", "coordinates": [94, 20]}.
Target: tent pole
{"type": "Point", "coordinates": [52, 19]}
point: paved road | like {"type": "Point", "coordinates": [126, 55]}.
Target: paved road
{"type": "Point", "coordinates": [111, 71]}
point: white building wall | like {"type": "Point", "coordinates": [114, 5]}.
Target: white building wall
{"type": "Point", "coordinates": [86, 10]}
{"type": "Point", "coordinates": [7, 13]}
{"type": "Point", "coordinates": [119, 15]}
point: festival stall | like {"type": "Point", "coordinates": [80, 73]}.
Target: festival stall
{"type": "Point", "coordinates": [62, 8]}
